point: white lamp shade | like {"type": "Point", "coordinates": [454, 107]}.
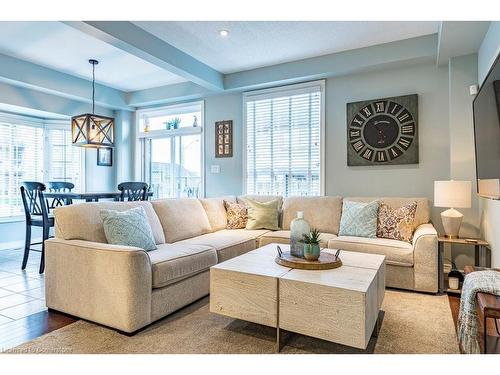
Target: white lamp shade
{"type": "Point", "coordinates": [455, 194]}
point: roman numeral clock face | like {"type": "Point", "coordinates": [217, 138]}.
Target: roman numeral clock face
{"type": "Point", "coordinates": [382, 131]}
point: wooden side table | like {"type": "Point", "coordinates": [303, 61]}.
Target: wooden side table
{"type": "Point", "coordinates": [489, 308]}
{"type": "Point", "coordinates": [482, 254]}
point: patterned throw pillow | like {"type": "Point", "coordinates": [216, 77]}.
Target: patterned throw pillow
{"type": "Point", "coordinates": [236, 215]}
{"type": "Point", "coordinates": [128, 228]}
{"type": "Point", "coordinates": [397, 223]}
{"type": "Point", "coordinates": [263, 215]}
{"type": "Point", "coordinates": [359, 219]}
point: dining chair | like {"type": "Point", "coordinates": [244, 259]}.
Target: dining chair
{"type": "Point", "coordinates": [133, 191]}
{"type": "Point", "coordinates": [37, 215]}
{"type": "Point", "coordinates": [59, 187]}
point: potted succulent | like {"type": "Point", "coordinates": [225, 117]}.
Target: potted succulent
{"type": "Point", "coordinates": [311, 245]}
{"type": "Point", "coordinates": [173, 124]}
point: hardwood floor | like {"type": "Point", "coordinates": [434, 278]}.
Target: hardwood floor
{"type": "Point", "coordinates": [493, 338]}
{"type": "Point", "coordinates": [23, 314]}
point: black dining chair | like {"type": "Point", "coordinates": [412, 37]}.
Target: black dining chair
{"type": "Point", "coordinates": [37, 215]}
{"type": "Point", "coordinates": [59, 187]}
{"type": "Point", "coordinates": [133, 191]}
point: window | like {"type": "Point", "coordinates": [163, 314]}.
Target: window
{"type": "Point", "coordinates": [64, 160]}
{"type": "Point", "coordinates": [27, 153]}
{"type": "Point", "coordinates": [284, 140]}
{"type": "Point", "coordinates": [172, 144]}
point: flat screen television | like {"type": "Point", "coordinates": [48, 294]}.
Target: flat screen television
{"type": "Point", "coordinates": [486, 108]}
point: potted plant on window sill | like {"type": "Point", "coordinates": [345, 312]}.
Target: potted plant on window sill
{"type": "Point", "coordinates": [311, 245]}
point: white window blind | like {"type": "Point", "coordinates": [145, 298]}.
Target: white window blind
{"type": "Point", "coordinates": [21, 159]}
{"type": "Point", "coordinates": [63, 159]}
{"type": "Point", "coordinates": [283, 139]}
{"type": "Point", "coordinates": [32, 150]}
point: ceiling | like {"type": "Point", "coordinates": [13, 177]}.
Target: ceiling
{"type": "Point", "coordinates": [256, 44]}
{"type": "Point", "coordinates": [61, 47]}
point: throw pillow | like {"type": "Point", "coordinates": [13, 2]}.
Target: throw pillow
{"type": "Point", "coordinates": [236, 215]}
{"type": "Point", "coordinates": [359, 219]}
{"type": "Point", "coordinates": [128, 228]}
{"type": "Point", "coordinates": [397, 223]}
{"type": "Point", "coordinates": [262, 215]}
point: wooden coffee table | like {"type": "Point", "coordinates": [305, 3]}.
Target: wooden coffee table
{"type": "Point", "coordinates": [340, 305]}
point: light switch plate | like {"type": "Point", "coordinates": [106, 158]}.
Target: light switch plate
{"type": "Point", "coordinates": [215, 168]}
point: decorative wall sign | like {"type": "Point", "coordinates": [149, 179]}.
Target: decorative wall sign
{"type": "Point", "coordinates": [224, 139]}
{"type": "Point", "coordinates": [383, 131]}
{"type": "Point", "coordinates": [105, 156]}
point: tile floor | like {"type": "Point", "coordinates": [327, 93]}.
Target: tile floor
{"type": "Point", "coordinates": [22, 293]}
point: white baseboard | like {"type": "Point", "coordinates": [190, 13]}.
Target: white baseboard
{"type": "Point", "coordinates": [16, 244]}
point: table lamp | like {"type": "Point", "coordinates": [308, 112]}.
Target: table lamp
{"type": "Point", "coordinates": [453, 194]}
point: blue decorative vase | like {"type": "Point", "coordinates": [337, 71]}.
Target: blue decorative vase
{"type": "Point", "coordinates": [298, 227]}
{"type": "Point", "coordinates": [312, 251]}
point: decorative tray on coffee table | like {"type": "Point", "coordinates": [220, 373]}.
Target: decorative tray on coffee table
{"type": "Point", "coordinates": [326, 261]}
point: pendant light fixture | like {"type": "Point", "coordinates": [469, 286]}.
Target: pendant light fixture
{"type": "Point", "coordinates": [91, 130]}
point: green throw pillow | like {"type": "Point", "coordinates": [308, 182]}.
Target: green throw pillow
{"type": "Point", "coordinates": [359, 219]}
{"type": "Point", "coordinates": [262, 215]}
{"type": "Point", "coordinates": [128, 228]}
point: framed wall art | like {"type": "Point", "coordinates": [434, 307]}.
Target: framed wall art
{"type": "Point", "coordinates": [383, 131]}
{"type": "Point", "coordinates": [105, 156]}
{"type": "Point", "coordinates": [224, 139]}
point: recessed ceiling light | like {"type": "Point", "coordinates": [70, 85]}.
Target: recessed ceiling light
{"type": "Point", "coordinates": [224, 33]}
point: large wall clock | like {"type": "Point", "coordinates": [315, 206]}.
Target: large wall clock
{"type": "Point", "coordinates": [383, 131]}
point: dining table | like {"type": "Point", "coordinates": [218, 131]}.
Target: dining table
{"type": "Point", "coordinates": [88, 196]}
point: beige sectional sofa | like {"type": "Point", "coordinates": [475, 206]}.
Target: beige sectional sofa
{"type": "Point", "coordinates": [127, 288]}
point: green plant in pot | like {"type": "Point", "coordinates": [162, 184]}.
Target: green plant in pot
{"type": "Point", "coordinates": [311, 245]}
{"type": "Point", "coordinates": [173, 124]}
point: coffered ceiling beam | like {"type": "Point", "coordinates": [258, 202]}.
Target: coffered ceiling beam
{"type": "Point", "coordinates": [25, 74]}
{"type": "Point", "coordinates": [138, 42]}
{"type": "Point", "coordinates": [168, 94]}
{"type": "Point", "coordinates": [399, 53]}
{"type": "Point", "coordinates": [459, 38]}
{"type": "Point", "coordinates": [43, 104]}
{"type": "Point", "coordinates": [390, 55]}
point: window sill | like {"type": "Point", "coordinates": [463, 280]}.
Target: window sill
{"type": "Point", "coordinates": [11, 219]}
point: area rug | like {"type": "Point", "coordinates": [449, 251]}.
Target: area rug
{"type": "Point", "coordinates": [411, 323]}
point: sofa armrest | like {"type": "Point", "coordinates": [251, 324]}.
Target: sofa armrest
{"type": "Point", "coordinates": [107, 284]}
{"type": "Point", "coordinates": [425, 258]}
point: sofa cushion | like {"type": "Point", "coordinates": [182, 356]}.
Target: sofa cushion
{"type": "Point", "coordinates": [396, 252]}
{"type": "Point", "coordinates": [181, 218]}
{"type": "Point", "coordinates": [174, 262]}
{"type": "Point", "coordinates": [283, 236]}
{"type": "Point", "coordinates": [397, 223]}
{"type": "Point", "coordinates": [229, 242]}
{"type": "Point", "coordinates": [260, 198]}
{"type": "Point", "coordinates": [83, 221]}
{"type": "Point", "coordinates": [128, 228]}
{"type": "Point", "coordinates": [262, 215]}
{"type": "Point", "coordinates": [359, 219]}
{"type": "Point", "coordinates": [264, 198]}
{"type": "Point", "coordinates": [236, 215]}
{"type": "Point", "coordinates": [422, 215]}
{"type": "Point", "coordinates": [322, 213]}
{"type": "Point", "coordinates": [216, 211]}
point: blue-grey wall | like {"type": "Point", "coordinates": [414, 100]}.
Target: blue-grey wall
{"type": "Point", "coordinates": [489, 50]}
{"type": "Point", "coordinates": [229, 180]}
{"type": "Point", "coordinates": [429, 81]}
